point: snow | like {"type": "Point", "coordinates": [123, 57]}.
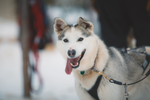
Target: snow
{"type": "Point", "coordinates": [57, 84]}
{"type": "Point", "coordinates": [8, 28]}
{"type": "Point", "coordinates": [10, 70]}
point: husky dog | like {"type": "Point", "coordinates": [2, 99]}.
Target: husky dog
{"type": "Point", "coordinates": [83, 51]}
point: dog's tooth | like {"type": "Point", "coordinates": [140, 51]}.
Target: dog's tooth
{"type": "Point", "coordinates": [71, 64]}
{"type": "Point", "coordinates": [77, 64]}
{"type": "Point", "coordinates": [74, 65]}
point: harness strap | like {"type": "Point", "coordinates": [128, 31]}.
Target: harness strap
{"type": "Point", "coordinates": [93, 90]}
{"type": "Point", "coordinates": [146, 62]}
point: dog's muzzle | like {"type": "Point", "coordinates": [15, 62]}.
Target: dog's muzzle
{"type": "Point", "coordinates": [73, 62]}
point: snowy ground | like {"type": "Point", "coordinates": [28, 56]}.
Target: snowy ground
{"type": "Point", "coordinates": [57, 85]}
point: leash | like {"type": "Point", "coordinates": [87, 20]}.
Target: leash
{"type": "Point", "coordinates": [144, 66]}
{"type": "Point", "coordinates": [37, 29]}
{"type": "Point", "coordinates": [120, 83]}
{"type": "Point", "coordinates": [35, 71]}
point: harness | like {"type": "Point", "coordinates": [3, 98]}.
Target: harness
{"type": "Point", "coordinates": [93, 90]}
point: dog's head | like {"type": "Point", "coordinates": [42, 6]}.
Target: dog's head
{"type": "Point", "coordinates": [77, 44]}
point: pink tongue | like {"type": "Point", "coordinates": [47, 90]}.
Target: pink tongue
{"type": "Point", "coordinates": [68, 69]}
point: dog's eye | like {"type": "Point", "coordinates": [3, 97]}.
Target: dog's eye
{"type": "Point", "coordinates": [66, 40]}
{"type": "Point", "coordinates": [80, 39]}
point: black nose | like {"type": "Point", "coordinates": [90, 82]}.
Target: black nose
{"type": "Point", "coordinates": [71, 53]}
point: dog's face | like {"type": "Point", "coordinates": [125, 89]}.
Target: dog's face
{"type": "Point", "coordinates": [77, 44]}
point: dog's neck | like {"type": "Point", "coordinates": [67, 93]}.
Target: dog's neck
{"type": "Point", "coordinates": [88, 79]}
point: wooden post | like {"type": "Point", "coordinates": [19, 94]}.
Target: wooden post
{"type": "Point", "coordinates": [25, 45]}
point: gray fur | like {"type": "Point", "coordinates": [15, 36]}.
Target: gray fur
{"type": "Point", "coordinates": [84, 32]}
{"type": "Point", "coordinates": [61, 36]}
{"type": "Point", "coordinates": [118, 64]}
{"type": "Point", "coordinates": [62, 33]}
{"type": "Point", "coordinates": [129, 66]}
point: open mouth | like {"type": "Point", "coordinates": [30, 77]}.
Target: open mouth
{"type": "Point", "coordinates": [74, 62]}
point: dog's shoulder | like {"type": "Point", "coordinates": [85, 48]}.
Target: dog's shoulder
{"type": "Point", "coordinates": [115, 53]}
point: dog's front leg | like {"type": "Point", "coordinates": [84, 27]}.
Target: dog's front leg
{"type": "Point", "coordinates": [82, 93]}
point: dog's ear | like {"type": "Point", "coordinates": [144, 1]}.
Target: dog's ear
{"type": "Point", "coordinates": [85, 24]}
{"type": "Point", "coordinates": [59, 25]}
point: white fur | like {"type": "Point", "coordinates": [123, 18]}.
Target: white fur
{"type": "Point", "coordinates": [97, 55]}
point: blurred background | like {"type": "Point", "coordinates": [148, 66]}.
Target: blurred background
{"type": "Point", "coordinates": [31, 68]}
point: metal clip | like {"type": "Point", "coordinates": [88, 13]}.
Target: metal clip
{"type": "Point", "coordinates": [101, 73]}
{"type": "Point", "coordinates": [95, 69]}
{"type": "Point", "coordinates": [126, 91]}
